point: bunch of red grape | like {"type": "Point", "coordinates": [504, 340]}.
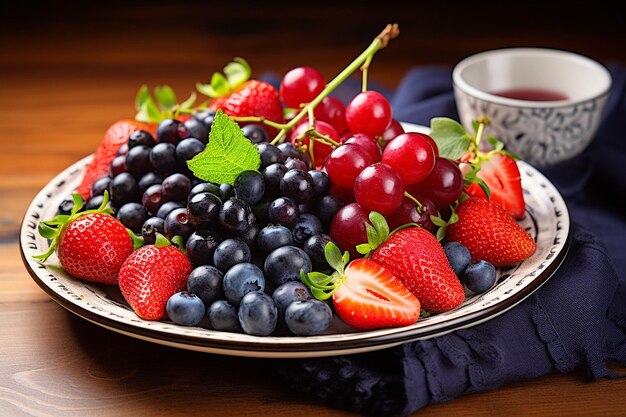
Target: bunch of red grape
{"type": "Point", "coordinates": [378, 166]}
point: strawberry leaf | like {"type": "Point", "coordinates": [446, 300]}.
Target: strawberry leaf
{"type": "Point", "coordinates": [165, 96]}
{"type": "Point", "coordinates": [471, 177]}
{"type": "Point", "coordinates": [452, 139]}
{"type": "Point", "coordinates": [227, 154]}
{"type": "Point", "coordinates": [142, 95]}
{"type": "Point", "coordinates": [188, 104]}
{"type": "Point", "coordinates": [237, 72]}
{"type": "Point", "coordinates": [334, 257]}
{"type": "Point", "coordinates": [219, 86]}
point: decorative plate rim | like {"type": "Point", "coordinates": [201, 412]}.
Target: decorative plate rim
{"type": "Point", "coordinates": [234, 344]}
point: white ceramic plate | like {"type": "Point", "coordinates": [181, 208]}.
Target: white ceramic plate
{"type": "Point", "coordinates": [546, 219]}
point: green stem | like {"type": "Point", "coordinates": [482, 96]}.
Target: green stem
{"type": "Point", "coordinates": [382, 40]}
{"type": "Point", "coordinates": [420, 206]}
{"type": "Point", "coordinates": [365, 71]}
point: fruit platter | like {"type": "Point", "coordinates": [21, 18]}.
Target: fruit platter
{"type": "Point", "coordinates": [279, 221]}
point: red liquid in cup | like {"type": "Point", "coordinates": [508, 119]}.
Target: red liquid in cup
{"type": "Point", "coordinates": [531, 94]}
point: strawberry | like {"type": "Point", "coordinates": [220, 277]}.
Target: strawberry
{"type": "Point", "coordinates": [501, 174]}
{"type": "Point", "coordinates": [490, 233]}
{"type": "Point", "coordinates": [365, 295]}
{"type": "Point", "coordinates": [239, 96]}
{"type": "Point", "coordinates": [151, 275]}
{"type": "Point", "coordinates": [116, 135]}
{"type": "Point", "coordinates": [372, 297]}
{"type": "Point", "coordinates": [417, 258]}
{"type": "Point", "coordinates": [90, 245]}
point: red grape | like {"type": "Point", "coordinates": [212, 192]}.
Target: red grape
{"type": "Point", "coordinates": [379, 188]}
{"type": "Point", "coordinates": [301, 85]}
{"type": "Point", "coordinates": [346, 162]}
{"type": "Point", "coordinates": [347, 229]}
{"type": "Point", "coordinates": [443, 186]}
{"type": "Point", "coordinates": [320, 150]}
{"type": "Point", "coordinates": [409, 212]}
{"type": "Point", "coordinates": [333, 111]}
{"type": "Point", "coordinates": [368, 142]}
{"type": "Point", "coordinates": [411, 155]}
{"type": "Point", "coordinates": [368, 112]}
{"type": "Point", "coordinates": [392, 130]}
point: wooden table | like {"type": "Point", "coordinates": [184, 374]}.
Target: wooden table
{"type": "Point", "coordinates": [66, 75]}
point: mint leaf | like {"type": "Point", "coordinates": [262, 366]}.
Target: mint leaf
{"type": "Point", "coordinates": [451, 137]}
{"type": "Point", "coordinates": [227, 154]}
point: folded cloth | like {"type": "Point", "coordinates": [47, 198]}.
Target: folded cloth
{"type": "Point", "coordinates": [576, 321]}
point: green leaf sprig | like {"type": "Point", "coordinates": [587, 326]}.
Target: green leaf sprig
{"type": "Point", "coordinates": [164, 105]}
{"type": "Point", "coordinates": [323, 286]}
{"type": "Point", "coordinates": [228, 153]}
{"type": "Point", "coordinates": [236, 73]}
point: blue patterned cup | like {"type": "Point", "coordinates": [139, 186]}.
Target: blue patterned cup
{"type": "Point", "coordinates": [544, 104]}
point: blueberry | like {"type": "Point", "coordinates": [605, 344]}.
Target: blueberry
{"type": "Point", "coordinates": [230, 252]}
{"type": "Point", "coordinates": [298, 185]}
{"type": "Point", "coordinates": [168, 207]}
{"type": "Point", "coordinates": [187, 149]}
{"type": "Point", "coordinates": [284, 264]}
{"type": "Point", "coordinates": [176, 187]}
{"type": "Point", "coordinates": [205, 187]}
{"type": "Point", "coordinates": [149, 179]}
{"type": "Point", "coordinates": [177, 224]}
{"type": "Point", "coordinates": [93, 203]}
{"type": "Point", "coordinates": [163, 158]}
{"type": "Point", "coordinates": [249, 186]}
{"type": "Point", "coordinates": [289, 150]}
{"type": "Point", "coordinates": [185, 308]}
{"type": "Point", "coordinates": [197, 129]}
{"type": "Point", "coordinates": [172, 131]}
{"type": "Point", "coordinates": [132, 216]}
{"type": "Point", "coordinates": [138, 161]}
{"type": "Point", "coordinates": [223, 317]}
{"type": "Point", "coordinates": [258, 315]}
{"type": "Point", "coordinates": [205, 281]}
{"type": "Point", "coordinates": [240, 280]}
{"type": "Point", "coordinates": [270, 154]}
{"type": "Point", "coordinates": [321, 182]}
{"type": "Point", "coordinates": [236, 215]}
{"type": "Point", "coordinates": [100, 185]}
{"type": "Point", "coordinates": [479, 276]}
{"type": "Point", "coordinates": [272, 176]}
{"type": "Point", "coordinates": [124, 189]}
{"type": "Point", "coordinates": [308, 318]}
{"type": "Point", "coordinates": [314, 247]}
{"type": "Point", "coordinates": [274, 236]}
{"type": "Point", "coordinates": [295, 163]}
{"type": "Point", "coordinates": [306, 226]}
{"type": "Point", "coordinates": [201, 246]}
{"type": "Point", "coordinates": [206, 117]}
{"type": "Point", "coordinates": [254, 133]}
{"type": "Point", "coordinates": [204, 209]}
{"type": "Point", "coordinates": [458, 256]}
{"type": "Point", "coordinates": [289, 292]}
{"type": "Point", "coordinates": [150, 228]}
{"type": "Point", "coordinates": [141, 137]}
{"type": "Point", "coordinates": [283, 211]}
{"type": "Point", "coordinates": [326, 208]}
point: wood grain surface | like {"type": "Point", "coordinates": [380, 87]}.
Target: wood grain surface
{"type": "Point", "coordinates": [67, 73]}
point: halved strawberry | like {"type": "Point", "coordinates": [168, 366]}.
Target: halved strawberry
{"type": "Point", "coordinates": [501, 174]}
{"type": "Point", "coordinates": [365, 295]}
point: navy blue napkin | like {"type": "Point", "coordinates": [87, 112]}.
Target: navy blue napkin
{"type": "Point", "coordinates": [576, 321]}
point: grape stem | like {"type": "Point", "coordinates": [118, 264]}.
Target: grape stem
{"type": "Point", "coordinates": [390, 32]}
{"type": "Point", "coordinates": [420, 206]}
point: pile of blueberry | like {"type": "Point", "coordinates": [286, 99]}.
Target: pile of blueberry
{"type": "Point", "coordinates": [247, 242]}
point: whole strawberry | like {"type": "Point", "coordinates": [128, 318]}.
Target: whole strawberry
{"type": "Point", "coordinates": [417, 258]}
{"type": "Point", "coordinates": [90, 245]}
{"type": "Point", "coordinates": [151, 275]}
{"type": "Point", "coordinates": [239, 96]}
{"type": "Point", "coordinates": [490, 233]}
{"type": "Point", "coordinates": [116, 135]}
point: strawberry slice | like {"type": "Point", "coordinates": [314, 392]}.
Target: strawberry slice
{"type": "Point", "coordinates": [365, 295]}
{"type": "Point", "coordinates": [372, 297]}
{"type": "Point", "coordinates": [501, 174]}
